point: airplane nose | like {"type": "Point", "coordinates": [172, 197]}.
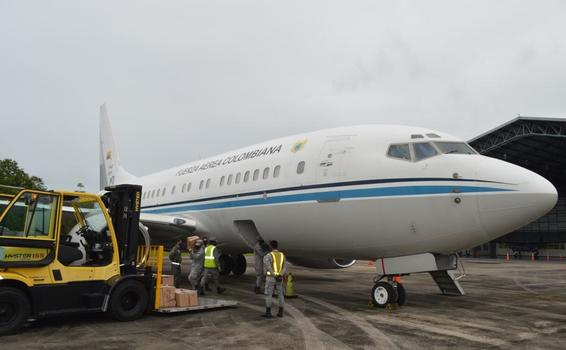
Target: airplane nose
{"type": "Point", "coordinates": [520, 203]}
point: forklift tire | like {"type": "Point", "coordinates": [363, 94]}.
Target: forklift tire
{"type": "Point", "coordinates": [14, 310]}
{"type": "Point", "coordinates": [128, 301]}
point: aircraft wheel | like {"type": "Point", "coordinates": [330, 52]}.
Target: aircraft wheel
{"type": "Point", "coordinates": [382, 294]}
{"type": "Point", "coordinates": [128, 301]}
{"type": "Point", "coordinates": [14, 310]}
{"type": "Point", "coordinates": [401, 295]}
{"type": "Point", "coordinates": [226, 264]}
{"type": "Point", "coordinates": [240, 265]}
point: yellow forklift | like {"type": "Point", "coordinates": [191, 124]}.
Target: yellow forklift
{"type": "Point", "coordinates": [69, 252]}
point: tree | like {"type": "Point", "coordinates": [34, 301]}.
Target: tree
{"type": "Point", "coordinates": [12, 175]}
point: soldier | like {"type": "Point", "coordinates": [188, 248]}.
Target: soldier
{"type": "Point", "coordinates": [176, 260]}
{"type": "Point", "coordinates": [260, 249]}
{"type": "Point", "coordinates": [211, 267]}
{"type": "Point", "coordinates": [275, 268]}
{"type": "Point", "coordinates": [197, 267]}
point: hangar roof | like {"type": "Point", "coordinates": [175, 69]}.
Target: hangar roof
{"type": "Point", "coordinates": [538, 144]}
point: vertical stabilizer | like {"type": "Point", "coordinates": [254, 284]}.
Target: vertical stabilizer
{"type": "Point", "coordinates": [111, 171]}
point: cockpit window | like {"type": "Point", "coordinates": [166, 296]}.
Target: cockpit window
{"type": "Point", "coordinates": [400, 151]}
{"type": "Point", "coordinates": [454, 148]}
{"type": "Point", "coordinates": [424, 150]}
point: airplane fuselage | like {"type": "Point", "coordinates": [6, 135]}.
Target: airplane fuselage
{"type": "Point", "coordinates": [357, 192]}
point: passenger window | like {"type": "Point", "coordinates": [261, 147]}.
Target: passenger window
{"type": "Point", "coordinates": [222, 180]}
{"type": "Point", "coordinates": [247, 176]}
{"type": "Point", "coordinates": [400, 151]}
{"type": "Point", "coordinates": [152, 193]}
{"type": "Point", "coordinates": [208, 183]}
{"type": "Point", "coordinates": [256, 174]}
{"type": "Point", "coordinates": [163, 192]}
{"type": "Point", "coordinates": [173, 190]}
{"type": "Point", "coordinates": [301, 167]}
{"type": "Point", "coordinates": [189, 186]}
{"type": "Point", "coordinates": [201, 185]}
{"type": "Point", "coordinates": [265, 173]}
{"type": "Point", "coordinates": [183, 188]}
{"type": "Point", "coordinates": [229, 182]}
{"type": "Point", "coordinates": [424, 150]}
{"type": "Point", "coordinates": [238, 177]}
{"type": "Point", "coordinates": [276, 171]}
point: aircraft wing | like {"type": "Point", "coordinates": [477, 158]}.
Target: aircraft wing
{"type": "Point", "coordinates": [164, 228]}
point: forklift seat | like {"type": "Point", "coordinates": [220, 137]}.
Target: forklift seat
{"type": "Point", "coordinates": [69, 252]}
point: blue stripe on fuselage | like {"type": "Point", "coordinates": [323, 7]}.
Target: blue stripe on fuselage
{"type": "Point", "coordinates": [330, 196]}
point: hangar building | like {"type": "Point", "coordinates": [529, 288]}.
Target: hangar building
{"type": "Point", "coordinates": [538, 144]}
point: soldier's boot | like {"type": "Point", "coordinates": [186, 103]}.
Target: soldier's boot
{"type": "Point", "coordinates": [220, 290]}
{"type": "Point", "coordinates": [267, 313]}
{"type": "Point", "coordinates": [280, 313]}
{"type": "Point", "coordinates": [257, 290]}
{"type": "Point", "coordinates": [200, 291]}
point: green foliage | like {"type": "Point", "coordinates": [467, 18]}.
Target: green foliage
{"type": "Point", "coordinates": [12, 175]}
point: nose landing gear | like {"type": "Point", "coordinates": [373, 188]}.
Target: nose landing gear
{"type": "Point", "coordinates": [388, 292]}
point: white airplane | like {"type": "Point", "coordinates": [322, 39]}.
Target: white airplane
{"type": "Point", "coordinates": [407, 196]}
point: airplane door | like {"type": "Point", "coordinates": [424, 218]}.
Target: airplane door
{"type": "Point", "coordinates": [334, 160]}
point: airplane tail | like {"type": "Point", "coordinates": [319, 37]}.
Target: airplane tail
{"type": "Point", "coordinates": [111, 171]}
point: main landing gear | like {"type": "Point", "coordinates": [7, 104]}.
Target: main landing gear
{"type": "Point", "coordinates": [233, 263]}
{"type": "Point", "coordinates": [388, 292]}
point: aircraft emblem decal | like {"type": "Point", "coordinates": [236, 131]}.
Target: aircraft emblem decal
{"type": "Point", "coordinates": [298, 146]}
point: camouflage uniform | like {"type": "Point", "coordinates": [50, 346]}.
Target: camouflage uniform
{"type": "Point", "coordinates": [176, 260]}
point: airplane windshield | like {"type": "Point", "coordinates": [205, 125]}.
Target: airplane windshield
{"type": "Point", "coordinates": [424, 150]}
{"type": "Point", "coordinates": [454, 148]}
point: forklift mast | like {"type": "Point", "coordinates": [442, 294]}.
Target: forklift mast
{"type": "Point", "coordinates": [123, 202]}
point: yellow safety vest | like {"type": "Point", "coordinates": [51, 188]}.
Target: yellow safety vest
{"type": "Point", "coordinates": [277, 259]}
{"type": "Point", "coordinates": [209, 261]}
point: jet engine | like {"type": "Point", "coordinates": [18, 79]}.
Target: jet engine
{"type": "Point", "coordinates": [322, 263]}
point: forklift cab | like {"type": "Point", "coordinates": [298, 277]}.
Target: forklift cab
{"type": "Point", "coordinates": [67, 252]}
{"type": "Point", "coordinates": [60, 229]}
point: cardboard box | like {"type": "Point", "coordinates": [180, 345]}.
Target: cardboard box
{"type": "Point", "coordinates": [167, 280]}
{"type": "Point", "coordinates": [182, 298]}
{"type": "Point", "coordinates": [193, 297]}
{"type": "Point", "coordinates": [167, 297]}
{"type": "Point", "coordinates": [186, 297]}
{"type": "Point", "coordinates": [192, 240]}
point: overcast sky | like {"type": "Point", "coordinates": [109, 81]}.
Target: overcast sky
{"type": "Point", "coordinates": [184, 80]}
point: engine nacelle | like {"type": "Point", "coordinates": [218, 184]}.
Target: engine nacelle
{"type": "Point", "coordinates": [322, 263]}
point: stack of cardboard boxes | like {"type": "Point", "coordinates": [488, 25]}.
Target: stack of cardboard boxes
{"type": "Point", "coordinates": [173, 297]}
{"type": "Point", "coordinates": [167, 292]}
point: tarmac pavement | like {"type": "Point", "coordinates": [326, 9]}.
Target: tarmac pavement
{"type": "Point", "coordinates": [516, 304]}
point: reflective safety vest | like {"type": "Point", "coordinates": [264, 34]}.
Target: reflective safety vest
{"type": "Point", "coordinates": [209, 261]}
{"type": "Point", "coordinates": [277, 259]}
